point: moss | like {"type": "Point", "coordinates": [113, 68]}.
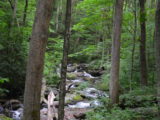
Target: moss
{"type": "Point", "coordinates": [77, 98]}
{"type": "Point", "coordinates": [71, 76]}
{"type": "Point", "coordinates": [4, 118]}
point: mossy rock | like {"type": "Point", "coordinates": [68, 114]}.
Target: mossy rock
{"type": "Point", "coordinates": [77, 98]}
{"type": "Point", "coordinates": [89, 78]}
{"type": "Point", "coordinates": [4, 118]}
{"type": "Point", "coordinates": [71, 76]}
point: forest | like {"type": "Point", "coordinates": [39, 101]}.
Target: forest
{"type": "Point", "coordinates": [79, 59]}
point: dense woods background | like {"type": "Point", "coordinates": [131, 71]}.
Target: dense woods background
{"type": "Point", "coordinates": [118, 41]}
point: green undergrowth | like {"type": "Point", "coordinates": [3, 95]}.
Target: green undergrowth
{"type": "Point", "coordinates": [5, 118]}
{"type": "Point", "coordinates": [138, 104]}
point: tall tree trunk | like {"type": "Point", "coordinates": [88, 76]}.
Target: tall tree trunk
{"type": "Point", "coordinates": [35, 64]}
{"type": "Point", "coordinates": [65, 61]}
{"type": "Point", "coordinates": [143, 61]}
{"type": "Point", "coordinates": [114, 82]}
{"type": "Point", "coordinates": [14, 14]}
{"type": "Point", "coordinates": [134, 41]}
{"type": "Point", "coordinates": [157, 41]}
{"type": "Point", "coordinates": [25, 12]}
{"type": "Point", "coordinates": [57, 17]}
{"type": "Point", "coordinates": [14, 19]}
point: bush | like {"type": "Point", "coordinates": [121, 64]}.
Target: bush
{"type": "Point", "coordinates": [116, 113]}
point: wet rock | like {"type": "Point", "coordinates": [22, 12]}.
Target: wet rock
{"type": "Point", "coordinates": [44, 111]}
{"type": "Point", "coordinates": [80, 105]}
{"type": "Point", "coordinates": [13, 105]}
{"type": "Point", "coordinates": [1, 109]}
{"type": "Point", "coordinates": [89, 78]}
{"type": "Point", "coordinates": [96, 103]}
{"type": "Point", "coordinates": [79, 74]}
{"type": "Point", "coordinates": [71, 76]}
{"type": "Point", "coordinates": [70, 98]}
{"type": "Point", "coordinates": [77, 98]}
{"type": "Point", "coordinates": [71, 68]}
{"type": "Point", "coordinates": [77, 80]}
{"type": "Point", "coordinates": [97, 72]}
{"type": "Point", "coordinates": [82, 67]}
{"type": "Point", "coordinates": [80, 116]}
{"type": "Point", "coordinates": [90, 93]}
{"type": "Point", "coordinates": [17, 114]}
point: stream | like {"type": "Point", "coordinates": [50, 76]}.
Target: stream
{"type": "Point", "coordinates": [81, 97]}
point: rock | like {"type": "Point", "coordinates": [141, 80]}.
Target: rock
{"type": "Point", "coordinates": [13, 104]}
{"type": "Point", "coordinates": [77, 98]}
{"type": "Point", "coordinates": [71, 76]}
{"type": "Point", "coordinates": [44, 111]}
{"type": "Point", "coordinates": [79, 74]}
{"type": "Point", "coordinates": [80, 105]}
{"type": "Point", "coordinates": [96, 72]}
{"type": "Point", "coordinates": [92, 93]}
{"type": "Point", "coordinates": [3, 117]}
{"type": "Point", "coordinates": [80, 116]}
{"type": "Point", "coordinates": [73, 98]}
{"type": "Point", "coordinates": [88, 78]}
{"type": "Point", "coordinates": [82, 67]}
{"type": "Point", "coordinates": [71, 68]}
{"type": "Point", "coordinates": [18, 114]}
{"type": "Point", "coordinates": [96, 103]}
{"type": "Point", "coordinates": [77, 81]}
{"type": "Point", "coordinates": [1, 109]}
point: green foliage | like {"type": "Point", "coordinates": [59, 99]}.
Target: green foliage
{"type": "Point", "coordinates": [104, 83]}
{"type": "Point", "coordinates": [53, 58]}
{"type": "Point", "coordinates": [2, 90]}
{"type": "Point", "coordinates": [14, 46]}
{"type": "Point", "coordinates": [83, 85]}
{"type": "Point", "coordinates": [5, 118]}
{"type": "Point", "coordinates": [114, 114]}
{"type": "Point", "coordinates": [2, 80]}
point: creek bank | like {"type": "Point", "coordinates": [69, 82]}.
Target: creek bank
{"type": "Point", "coordinates": [82, 96]}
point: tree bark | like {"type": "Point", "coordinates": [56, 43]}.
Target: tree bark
{"type": "Point", "coordinates": [114, 82]}
{"type": "Point", "coordinates": [35, 64]}
{"type": "Point", "coordinates": [65, 61]}
{"type": "Point", "coordinates": [157, 44]}
{"type": "Point", "coordinates": [25, 12]}
{"type": "Point", "coordinates": [134, 41]}
{"type": "Point", "coordinates": [143, 61]}
{"type": "Point", "coordinates": [14, 13]}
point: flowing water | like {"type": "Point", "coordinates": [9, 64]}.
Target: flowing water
{"type": "Point", "coordinates": [89, 95]}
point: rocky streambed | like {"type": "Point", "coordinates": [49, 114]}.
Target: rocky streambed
{"type": "Point", "coordinates": [81, 97]}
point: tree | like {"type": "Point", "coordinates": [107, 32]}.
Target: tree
{"type": "Point", "coordinates": [65, 60]}
{"type": "Point", "coordinates": [134, 41]}
{"type": "Point", "coordinates": [36, 60]}
{"type": "Point", "coordinates": [143, 61]}
{"type": "Point", "coordinates": [25, 12]}
{"type": "Point", "coordinates": [114, 82]}
{"type": "Point", "coordinates": [157, 43]}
